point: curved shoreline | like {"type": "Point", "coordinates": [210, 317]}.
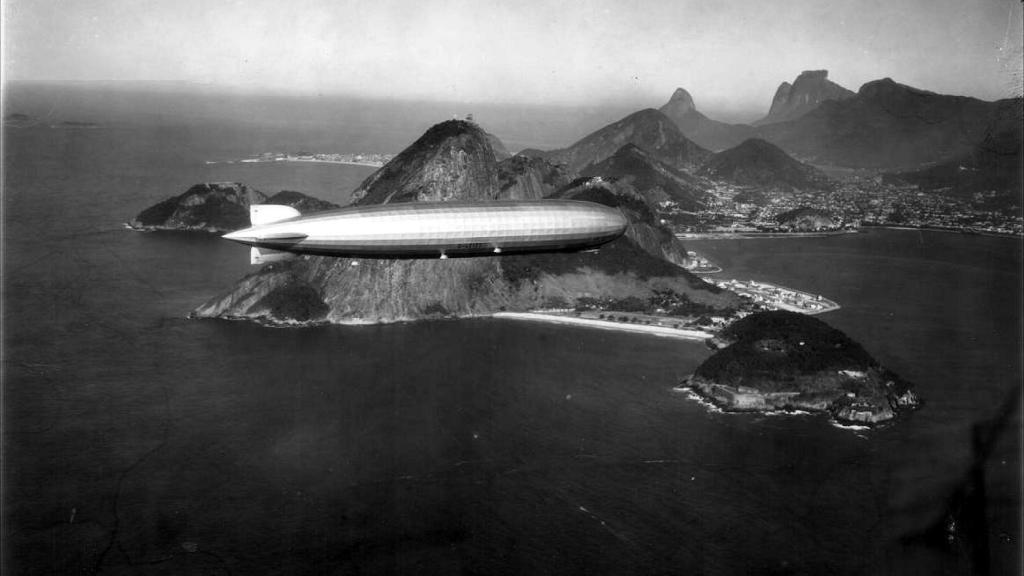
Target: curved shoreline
{"type": "Point", "coordinates": [987, 233]}
{"type": "Point", "coordinates": [692, 335]}
{"type": "Point", "coordinates": [697, 335]}
{"type": "Point", "coordinates": [755, 290]}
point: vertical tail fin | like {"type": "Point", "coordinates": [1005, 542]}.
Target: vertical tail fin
{"type": "Point", "coordinates": [260, 214]}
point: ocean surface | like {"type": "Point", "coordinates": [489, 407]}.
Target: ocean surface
{"type": "Point", "coordinates": [139, 441]}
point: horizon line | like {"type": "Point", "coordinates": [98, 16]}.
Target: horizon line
{"type": "Point", "coordinates": [634, 103]}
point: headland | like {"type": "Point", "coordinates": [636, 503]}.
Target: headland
{"type": "Point", "coordinates": [781, 360]}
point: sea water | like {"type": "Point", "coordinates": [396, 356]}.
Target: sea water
{"type": "Point", "coordinates": [137, 439]}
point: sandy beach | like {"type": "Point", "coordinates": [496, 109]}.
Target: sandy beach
{"type": "Point", "coordinates": [603, 324]}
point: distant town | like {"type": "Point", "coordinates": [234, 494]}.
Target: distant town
{"type": "Point", "coordinates": [775, 297]}
{"type": "Point", "coordinates": [360, 159]}
{"type": "Point", "coordinates": [855, 202]}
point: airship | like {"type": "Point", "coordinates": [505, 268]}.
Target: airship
{"type": "Point", "coordinates": [430, 229]}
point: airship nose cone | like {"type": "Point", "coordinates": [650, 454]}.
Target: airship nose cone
{"type": "Point", "coordinates": [620, 219]}
{"type": "Point", "coordinates": [614, 218]}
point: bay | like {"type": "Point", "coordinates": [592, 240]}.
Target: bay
{"type": "Point", "coordinates": [138, 440]}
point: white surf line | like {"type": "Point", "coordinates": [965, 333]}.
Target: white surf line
{"type": "Point", "coordinates": [604, 324]}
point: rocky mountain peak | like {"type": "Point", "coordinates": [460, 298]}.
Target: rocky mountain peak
{"type": "Point", "coordinates": [453, 160]}
{"type": "Point", "coordinates": [680, 103]}
{"type": "Point", "coordinates": [811, 88]}
{"type": "Point", "coordinates": [648, 129]}
{"type": "Point", "coordinates": [888, 87]}
{"type": "Point", "coordinates": [756, 162]}
{"type": "Point", "coordinates": [812, 75]}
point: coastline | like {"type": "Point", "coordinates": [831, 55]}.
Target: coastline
{"type": "Point", "coordinates": [756, 291]}
{"type": "Point", "coordinates": [737, 400]}
{"type": "Point", "coordinates": [605, 325]}
{"type": "Point", "coordinates": [707, 270]}
{"type": "Point", "coordinates": [948, 230]}
{"type": "Point", "coordinates": [262, 320]}
{"type": "Point", "coordinates": [257, 161]}
{"type": "Point", "coordinates": [756, 235]}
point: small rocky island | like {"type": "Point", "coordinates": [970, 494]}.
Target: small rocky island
{"type": "Point", "coordinates": [217, 207]}
{"type": "Point", "coordinates": [787, 361]}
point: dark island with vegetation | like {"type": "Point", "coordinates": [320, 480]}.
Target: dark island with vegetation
{"type": "Point", "coordinates": [217, 207]}
{"type": "Point", "coordinates": [788, 361]}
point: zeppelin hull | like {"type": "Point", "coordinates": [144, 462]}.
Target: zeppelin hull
{"type": "Point", "coordinates": [430, 230]}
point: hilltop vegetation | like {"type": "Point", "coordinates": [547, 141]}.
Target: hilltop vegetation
{"type": "Point", "coordinates": [756, 162]}
{"type": "Point", "coordinates": [217, 207]}
{"type": "Point", "coordinates": [785, 361]}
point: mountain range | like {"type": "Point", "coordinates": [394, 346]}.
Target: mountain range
{"type": "Point", "coordinates": [890, 125]}
{"type": "Point", "coordinates": [660, 163]}
{"type": "Point", "coordinates": [635, 163]}
{"type": "Point", "coordinates": [648, 129]}
{"type": "Point", "coordinates": [884, 125]}
{"type": "Point", "coordinates": [455, 160]}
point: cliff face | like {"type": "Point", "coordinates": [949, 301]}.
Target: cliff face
{"type": "Point", "coordinates": [785, 361]}
{"type": "Point", "coordinates": [500, 152]}
{"type": "Point", "coordinates": [212, 207]}
{"type": "Point", "coordinates": [526, 178]}
{"type": "Point", "coordinates": [454, 161]}
{"type": "Point", "coordinates": [807, 92]}
{"type": "Point", "coordinates": [647, 129]}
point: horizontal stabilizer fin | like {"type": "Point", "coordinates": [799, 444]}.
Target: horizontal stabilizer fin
{"type": "Point", "coordinates": [282, 236]}
{"type": "Point", "coordinates": [261, 214]}
{"type": "Point", "coordinates": [266, 255]}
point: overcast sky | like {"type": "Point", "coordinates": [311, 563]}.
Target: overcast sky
{"type": "Point", "coordinates": [728, 55]}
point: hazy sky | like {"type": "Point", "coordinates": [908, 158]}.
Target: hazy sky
{"type": "Point", "coordinates": [731, 55]}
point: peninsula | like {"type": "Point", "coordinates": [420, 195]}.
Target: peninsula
{"type": "Point", "coordinates": [786, 361]}
{"type": "Point", "coordinates": [778, 297]}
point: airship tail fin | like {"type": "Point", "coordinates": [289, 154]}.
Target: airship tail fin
{"type": "Point", "coordinates": [266, 255]}
{"type": "Point", "coordinates": [262, 214]}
